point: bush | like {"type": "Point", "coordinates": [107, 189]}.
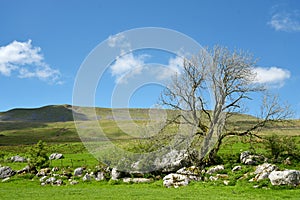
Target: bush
{"type": "Point", "coordinates": [38, 156]}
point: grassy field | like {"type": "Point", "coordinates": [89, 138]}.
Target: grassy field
{"type": "Point", "coordinates": [16, 137]}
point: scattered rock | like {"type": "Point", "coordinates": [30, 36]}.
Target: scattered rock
{"type": "Point", "coordinates": [100, 176]}
{"type": "Point", "coordinates": [6, 171]}
{"type": "Point", "coordinates": [18, 159]}
{"type": "Point", "coordinates": [73, 182]}
{"type": "Point", "coordinates": [44, 172]}
{"type": "Point", "coordinates": [116, 175]}
{"type": "Point", "coordinates": [86, 177]}
{"type": "Point", "coordinates": [248, 158]}
{"type": "Point", "coordinates": [24, 170]}
{"type": "Point", "coordinates": [50, 180]}
{"type": "Point", "coordinates": [55, 169]}
{"type": "Point", "coordinates": [193, 173]}
{"type": "Point", "coordinates": [6, 179]}
{"type": "Point", "coordinates": [136, 180]}
{"type": "Point", "coordinates": [175, 180]}
{"type": "Point", "coordinates": [78, 171]}
{"type": "Point", "coordinates": [215, 169]}
{"type": "Point", "coordinates": [286, 177]}
{"type": "Point", "coordinates": [218, 176]}
{"type": "Point", "coordinates": [58, 182]}
{"type": "Point", "coordinates": [287, 161]}
{"type": "Point", "coordinates": [236, 168]}
{"type": "Point", "coordinates": [263, 171]}
{"type": "Point", "coordinates": [56, 156]}
{"type": "Point", "coordinates": [43, 178]}
{"type": "Point", "coordinates": [226, 182]}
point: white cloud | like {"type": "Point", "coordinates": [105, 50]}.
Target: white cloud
{"type": "Point", "coordinates": [127, 64]}
{"type": "Point", "coordinates": [174, 66]}
{"type": "Point", "coordinates": [27, 62]}
{"type": "Point", "coordinates": [286, 21]}
{"type": "Point", "coordinates": [272, 76]}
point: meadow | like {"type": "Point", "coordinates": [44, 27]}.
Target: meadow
{"type": "Point", "coordinates": [16, 137]}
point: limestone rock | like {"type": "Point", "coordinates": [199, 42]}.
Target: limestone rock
{"type": "Point", "coordinates": [263, 171]}
{"type": "Point", "coordinates": [248, 158]}
{"type": "Point", "coordinates": [175, 180]}
{"type": "Point", "coordinates": [6, 171]}
{"type": "Point", "coordinates": [236, 168]}
{"type": "Point", "coordinates": [18, 159]}
{"type": "Point", "coordinates": [193, 173]}
{"type": "Point", "coordinates": [24, 170]}
{"type": "Point", "coordinates": [86, 177]}
{"type": "Point", "coordinates": [44, 172]}
{"type": "Point", "coordinates": [215, 169]}
{"type": "Point", "coordinates": [136, 180]}
{"type": "Point", "coordinates": [286, 177]}
{"type": "Point", "coordinates": [78, 171]}
{"type": "Point", "coordinates": [56, 156]}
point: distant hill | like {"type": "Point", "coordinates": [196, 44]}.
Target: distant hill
{"type": "Point", "coordinates": [52, 113]}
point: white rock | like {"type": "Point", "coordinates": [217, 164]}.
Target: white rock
{"type": "Point", "coordinates": [236, 168]}
{"type": "Point", "coordinates": [78, 171]}
{"type": "Point", "coordinates": [262, 171]}
{"type": "Point", "coordinates": [56, 156]}
{"type": "Point", "coordinates": [136, 180]}
{"type": "Point", "coordinates": [215, 169]}
{"type": "Point", "coordinates": [287, 177]}
{"type": "Point", "coordinates": [43, 178]}
{"type": "Point", "coordinates": [6, 179]}
{"type": "Point", "coordinates": [86, 177]}
{"type": "Point", "coordinates": [175, 180]}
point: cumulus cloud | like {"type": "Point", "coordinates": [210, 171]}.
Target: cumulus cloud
{"type": "Point", "coordinates": [174, 66]}
{"type": "Point", "coordinates": [286, 21]}
{"type": "Point", "coordinates": [272, 76]}
{"type": "Point", "coordinates": [126, 64]}
{"type": "Point", "coordinates": [26, 61]}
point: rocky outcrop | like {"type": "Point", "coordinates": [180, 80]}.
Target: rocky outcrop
{"type": "Point", "coordinates": [286, 177]}
{"type": "Point", "coordinates": [6, 172]}
{"type": "Point", "coordinates": [175, 180]}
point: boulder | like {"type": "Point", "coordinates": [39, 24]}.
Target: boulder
{"type": "Point", "coordinates": [73, 182]}
{"type": "Point", "coordinates": [56, 156]}
{"type": "Point", "coordinates": [100, 176]}
{"type": "Point", "coordinates": [175, 180]}
{"type": "Point", "coordinates": [286, 177]}
{"type": "Point", "coordinates": [172, 161]}
{"type": "Point", "coordinates": [215, 169]}
{"type": "Point", "coordinates": [43, 178]}
{"type": "Point", "coordinates": [263, 171]}
{"type": "Point", "coordinates": [18, 159]}
{"type": "Point", "coordinates": [193, 173]}
{"type": "Point", "coordinates": [78, 171]}
{"type": "Point", "coordinates": [236, 168]}
{"type": "Point", "coordinates": [6, 171]}
{"type": "Point", "coordinates": [58, 182]}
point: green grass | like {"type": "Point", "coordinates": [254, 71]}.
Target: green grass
{"type": "Point", "coordinates": [20, 189]}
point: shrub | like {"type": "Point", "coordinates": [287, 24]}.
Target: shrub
{"type": "Point", "coordinates": [38, 156]}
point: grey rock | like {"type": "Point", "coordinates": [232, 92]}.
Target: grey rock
{"type": "Point", "coordinates": [215, 169]}
{"type": "Point", "coordinates": [50, 180]}
{"type": "Point", "coordinates": [56, 156]}
{"type": "Point", "coordinates": [115, 174]}
{"type": "Point", "coordinates": [6, 171]}
{"type": "Point", "coordinates": [236, 168]}
{"type": "Point", "coordinates": [286, 177]}
{"type": "Point", "coordinates": [44, 172]}
{"type": "Point", "coordinates": [58, 182]}
{"type": "Point", "coordinates": [24, 170]}
{"type": "Point", "coordinates": [86, 177]}
{"type": "Point", "coordinates": [172, 161]}
{"type": "Point", "coordinates": [193, 173]}
{"type": "Point", "coordinates": [43, 178]}
{"type": "Point", "coordinates": [136, 180]}
{"type": "Point", "coordinates": [78, 171]}
{"type": "Point", "coordinates": [100, 176]}
{"type": "Point", "coordinates": [248, 158]}
{"type": "Point", "coordinates": [175, 180]}
{"type": "Point", "coordinates": [6, 179]}
{"type": "Point", "coordinates": [18, 159]}
{"type": "Point", "coordinates": [73, 182]}
{"type": "Point", "coordinates": [262, 171]}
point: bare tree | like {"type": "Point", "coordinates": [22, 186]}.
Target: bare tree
{"type": "Point", "coordinates": [213, 85]}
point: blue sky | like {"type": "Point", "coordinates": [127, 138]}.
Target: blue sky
{"type": "Point", "coordinates": [43, 43]}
